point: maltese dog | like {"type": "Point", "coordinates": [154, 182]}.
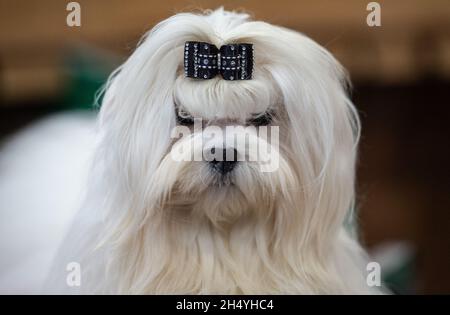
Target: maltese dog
{"type": "Point", "coordinates": [225, 164]}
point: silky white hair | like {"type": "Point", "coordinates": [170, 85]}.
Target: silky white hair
{"type": "Point", "coordinates": [153, 225]}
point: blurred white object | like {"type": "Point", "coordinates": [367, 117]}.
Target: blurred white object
{"type": "Point", "coordinates": [392, 255]}
{"type": "Point", "coordinates": [42, 173]}
{"type": "Point", "coordinates": [396, 259]}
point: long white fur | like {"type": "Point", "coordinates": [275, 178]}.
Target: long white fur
{"type": "Point", "coordinates": [152, 225]}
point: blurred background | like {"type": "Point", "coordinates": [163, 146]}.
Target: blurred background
{"type": "Point", "coordinates": [401, 76]}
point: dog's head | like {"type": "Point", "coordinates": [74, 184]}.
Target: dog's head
{"type": "Point", "coordinates": [280, 145]}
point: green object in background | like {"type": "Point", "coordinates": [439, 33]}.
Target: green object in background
{"type": "Point", "coordinates": [401, 280]}
{"type": "Point", "coordinates": [87, 69]}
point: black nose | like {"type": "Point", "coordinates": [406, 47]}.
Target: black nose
{"type": "Point", "coordinates": [228, 161]}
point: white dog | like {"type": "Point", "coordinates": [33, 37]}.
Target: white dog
{"type": "Point", "coordinates": [154, 224]}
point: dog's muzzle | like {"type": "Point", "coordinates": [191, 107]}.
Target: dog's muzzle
{"type": "Point", "coordinates": [227, 163]}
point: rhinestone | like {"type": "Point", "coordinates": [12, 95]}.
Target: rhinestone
{"type": "Point", "coordinates": [205, 62]}
{"type": "Point", "coordinates": [232, 47]}
{"type": "Point", "coordinates": [224, 63]}
{"type": "Point", "coordinates": [205, 46]}
{"type": "Point", "coordinates": [231, 78]}
{"type": "Point", "coordinates": [243, 48]}
{"type": "Point", "coordinates": [205, 76]}
{"type": "Point", "coordinates": [233, 63]}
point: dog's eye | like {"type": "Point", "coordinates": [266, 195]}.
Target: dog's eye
{"type": "Point", "coordinates": [184, 118]}
{"type": "Point", "coordinates": [261, 119]}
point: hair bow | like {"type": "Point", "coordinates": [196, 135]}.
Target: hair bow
{"type": "Point", "coordinates": [205, 61]}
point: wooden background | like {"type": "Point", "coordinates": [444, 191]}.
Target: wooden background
{"type": "Point", "coordinates": [414, 38]}
{"type": "Point", "coordinates": [401, 73]}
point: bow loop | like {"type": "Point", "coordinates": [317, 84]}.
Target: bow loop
{"type": "Point", "coordinates": [205, 61]}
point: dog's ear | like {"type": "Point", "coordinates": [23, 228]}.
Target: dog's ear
{"type": "Point", "coordinates": [324, 128]}
{"type": "Point", "coordinates": [137, 112]}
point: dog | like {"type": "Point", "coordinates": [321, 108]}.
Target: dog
{"type": "Point", "coordinates": [157, 221]}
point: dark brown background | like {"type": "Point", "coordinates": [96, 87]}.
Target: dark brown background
{"type": "Point", "coordinates": [401, 75]}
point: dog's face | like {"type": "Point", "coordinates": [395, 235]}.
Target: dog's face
{"type": "Point", "coordinates": [226, 158]}
{"type": "Point", "coordinates": [168, 136]}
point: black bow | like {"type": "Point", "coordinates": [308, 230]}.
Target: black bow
{"type": "Point", "coordinates": [205, 61]}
